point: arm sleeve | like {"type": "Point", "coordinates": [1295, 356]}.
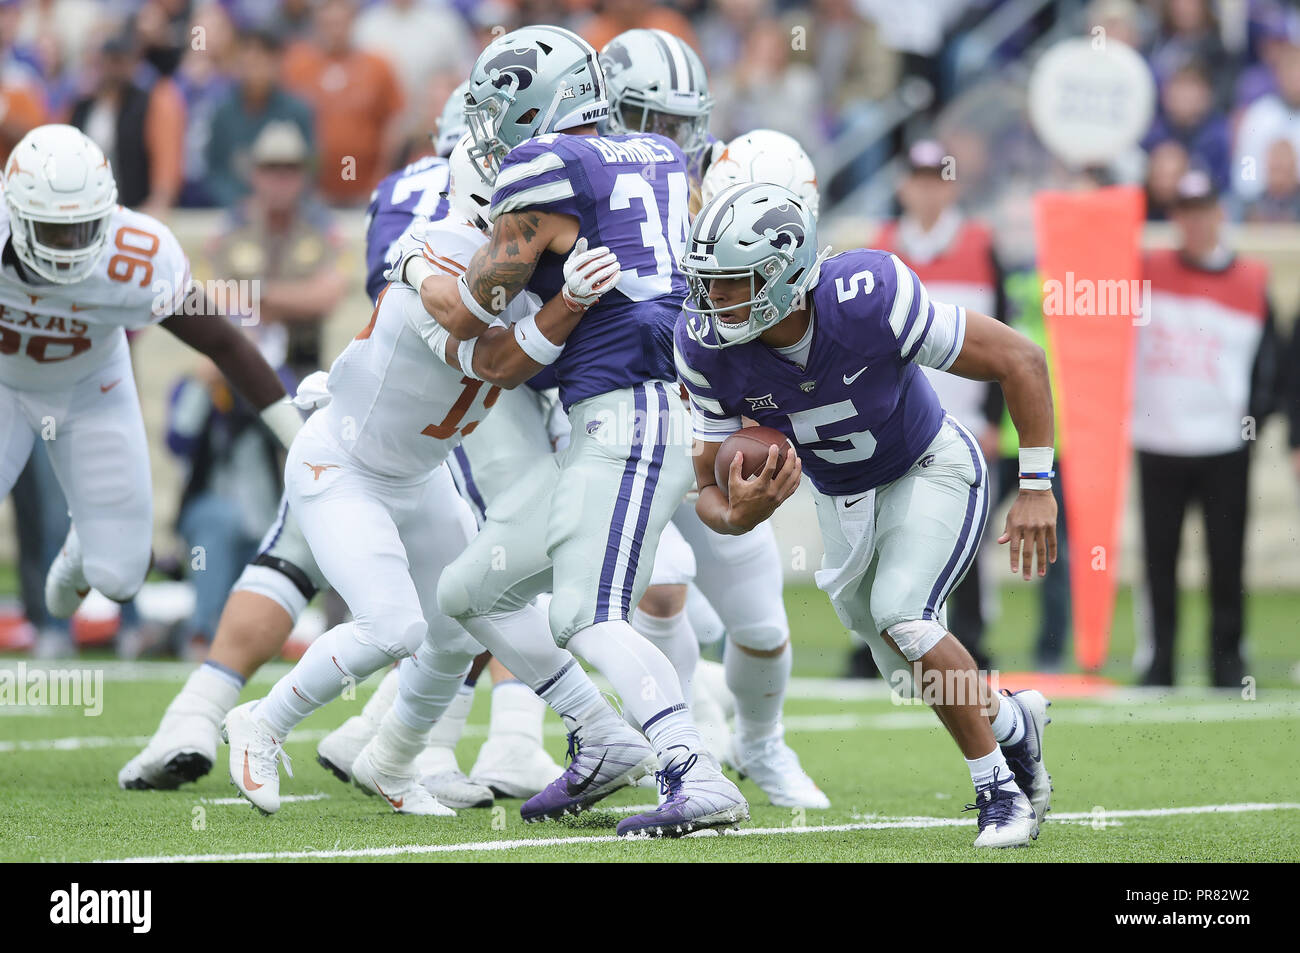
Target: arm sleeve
{"type": "Point", "coordinates": [709, 419]}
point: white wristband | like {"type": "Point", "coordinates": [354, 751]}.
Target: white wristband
{"type": "Point", "coordinates": [467, 299]}
{"type": "Point", "coordinates": [282, 419]}
{"type": "Point", "coordinates": [534, 343]}
{"type": "Point", "coordinates": [1036, 468]}
{"type": "Point", "coordinates": [417, 269]}
{"type": "Point", "coordinates": [465, 355]}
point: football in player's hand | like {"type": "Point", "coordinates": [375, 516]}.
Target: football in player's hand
{"type": "Point", "coordinates": [753, 443]}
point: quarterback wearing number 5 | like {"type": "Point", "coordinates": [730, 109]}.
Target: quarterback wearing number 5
{"type": "Point", "coordinates": [825, 350]}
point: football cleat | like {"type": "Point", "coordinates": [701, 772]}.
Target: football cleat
{"type": "Point", "coordinates": [403, 793]}
{"type": "Point", "coordinates": [697, 795]}
{"type": "Point", "coordinates": [65, 583]}
{"type": "Point", "coordinates": [1025, 757]}
{"type": "Point", "coordinates": [514, 766]}
{"type": "Point", "coordinates": [255, 756]}
{"type": "Point", "coordinates": [775, 768]}
{"type": "Point", "coordinates": [439, 774]}
{"type": "Point", "coordinates": [1006, 817]}
{"type": "Point", "coordinates": [183, 749]}
{"type": "Point", "coordinates": [596, 770]}
{"type": "Point", "coordinates": [340, 747]}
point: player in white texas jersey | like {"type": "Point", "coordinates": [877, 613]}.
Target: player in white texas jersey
{"type": "Point", "coordinates": [383, 520]}
{"type": "Point", "coordinates": [826, 350]}
{"type": "Point", "coordinates": [76, 271]}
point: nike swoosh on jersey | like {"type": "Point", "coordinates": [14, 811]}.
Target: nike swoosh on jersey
{"type": "Point", "coordinates": [104, 390]}
{"type": "Point", "coordinates": [574, 790]}
{"type": "Point", "coordinates": [849, 379]}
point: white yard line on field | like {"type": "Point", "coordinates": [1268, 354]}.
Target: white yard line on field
{"type": "Point", "coordinates": [905, 717]}
{"type": "Point", "coordinates": [881, 823]}
{"type": "Point", "coordinates": [286, 799]}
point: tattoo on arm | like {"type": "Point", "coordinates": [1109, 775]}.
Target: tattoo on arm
{"type": "Point", "coordinates": [500, 269]}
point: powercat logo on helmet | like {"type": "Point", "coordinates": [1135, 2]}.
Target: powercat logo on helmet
{"type": "Point", "coordinates": [783, 221]}
{"type": "Point", "coordinates": [615, 59]}
{"type": "Point", "coordinates": [521, 64]}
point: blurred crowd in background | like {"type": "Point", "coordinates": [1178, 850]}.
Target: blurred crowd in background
{"type": "Point", "coordinates": [281, 112]}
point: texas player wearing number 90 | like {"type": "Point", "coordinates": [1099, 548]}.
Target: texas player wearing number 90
{"type": "Point", "coordinates": [76, 271]}
{"type": "Point", "coordinates": [825, 350]}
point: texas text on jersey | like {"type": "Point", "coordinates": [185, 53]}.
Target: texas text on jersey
{"type": "Point", "coordinates": [52, 335]}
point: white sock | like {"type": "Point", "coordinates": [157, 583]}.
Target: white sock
{"type": "Point", "coordinates": [331, 663]}
{"type": "Point", "coordinates": [209, 692]}
{"type": "Point", "coordinates": [758, 684]}
{"type": "Point", "coordinates": [521, 641]}
{"type": "Point", "coordinates": [1008, 726]}
{"type": "Point", "coordinates": [982, 769]}
{"type": "Point", "coordinates": [644, 679]}
{"type": "Point", "coordinates": [395, 745]}
{"type": "Point", "coordinates": [516, 710]}
{"type": "Point", "coordinates": [427, 683]}
{"type": "Point", "coordinates": [448, 729]}
{"type": "Point", "coordinates": [378, 704]}
{"type": "Point", "coordinates": [570, 692]}
{"type": "Point", "coordinates": [675, 637]}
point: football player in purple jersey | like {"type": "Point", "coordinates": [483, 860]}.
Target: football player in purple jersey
{"type": "Point", "coordinates": [826, 351]}
{"type": "Point", "coordinates": [591, 518]}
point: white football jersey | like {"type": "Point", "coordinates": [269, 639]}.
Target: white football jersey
{"type": "Point", "coordinates": [53, 335]}
{"type": "Point", "coordinates": [394, 406]}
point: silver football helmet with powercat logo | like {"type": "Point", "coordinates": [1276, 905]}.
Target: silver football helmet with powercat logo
{"type": "Point", "coordinates": [657, 84]}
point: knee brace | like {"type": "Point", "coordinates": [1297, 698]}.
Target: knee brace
{"type": "Point", "coordinates": [278, 580]}
{"type": "Point", "coordinates": [916, 637]}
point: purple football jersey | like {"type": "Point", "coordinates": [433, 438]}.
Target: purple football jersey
{"type": "Point", "coordinates": [632, 194]}
{"type": "Point", "coordinates": [861, 412]}
{"type": "Point", "coordinates": [418, 189]}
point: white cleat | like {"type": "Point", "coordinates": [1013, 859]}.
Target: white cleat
{"type": "Point", "coordinates": [255, 756]}
{"type": "Point", "coordinates": [775, 768]}
{"type": "Point", "coordinates": [514, 766]}
{"type": "Point", "coordinates": [65, 583]}
{"type": "Point", "coordinates": [403, 793]}
{"type": "Point", "coordinates": [340, 747]}
{"type": "Point", "coordinates": [183, 749]}
{"type": "Point", "coordinates": [1025, 757]}
{"type": "Point", "coordinates": [439, 774]}
{"type": "Point", "coordinates": [1006, 817]}
{"type": "Point", "coordinates": [697, 796]}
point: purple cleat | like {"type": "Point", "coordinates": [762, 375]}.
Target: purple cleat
{"type": "Point", "coordinates": [697, 795]}
{"type": "Point", "coordinates": [596, 770]}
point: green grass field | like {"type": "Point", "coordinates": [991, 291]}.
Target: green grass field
{"type": "Point", "coordinates": [1183, 776]}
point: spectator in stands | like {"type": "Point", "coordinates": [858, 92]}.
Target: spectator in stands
{"type": "Point", "coordinates": [953, 256]}
{"type": "Point", "coordinates": [257, 99]}
{"type": "Point", "coordinates": [1205, 380]}
{"type": "Point", "coordinates": [1187, 115]}
{"type": "Point", "coordinates": [62, 34]}
{"type": "Point", "coordinates": [357, 100]}
{"type": "Point", "coordinates": [1290, 374]}
{"type": "Point", "coordinates": [615, 16]}
{"type": "Point", "coordinates": [205, 78]}
{"type": "Point", "coordinates": [284, 243]}
{"type": "Point", "coordinates": [724, 28]}
{"type": "Point", "coordinates": [1118, 20]}
{"type": "Point", "coordinates": [1189, 30]}
{"type": "Point", "coordinates": [421, 42]}
{"type": "Point", "coordinates": [1166, 166]}
{"type": "Point", "coordinates": [230, 493]}
{"type": "Point", "coordinates": [1269, 118]}
{"type": "Point", "coordinates": [764, 90]}
{"type": "Point", "coordinates": [22, 99]}
{"type": "Point", "coordinates": [141, 130]}
{"type": "Point", "coordinates": [1273, 33]}
{"type": "Point", "coordinates": [1280, 202]}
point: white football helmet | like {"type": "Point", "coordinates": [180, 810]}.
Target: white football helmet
{"type": "Point", "coordinates": [764, 156]}
{"type": "Point", "coordinates": [451, 124]}
{"type": "Point", "coordinates": [60, 194]}
{"type": "Point", "coordinates": [470, 191]}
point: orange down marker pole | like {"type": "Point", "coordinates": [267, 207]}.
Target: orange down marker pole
{"type": "Point", "coordinates": [1089, 257]}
